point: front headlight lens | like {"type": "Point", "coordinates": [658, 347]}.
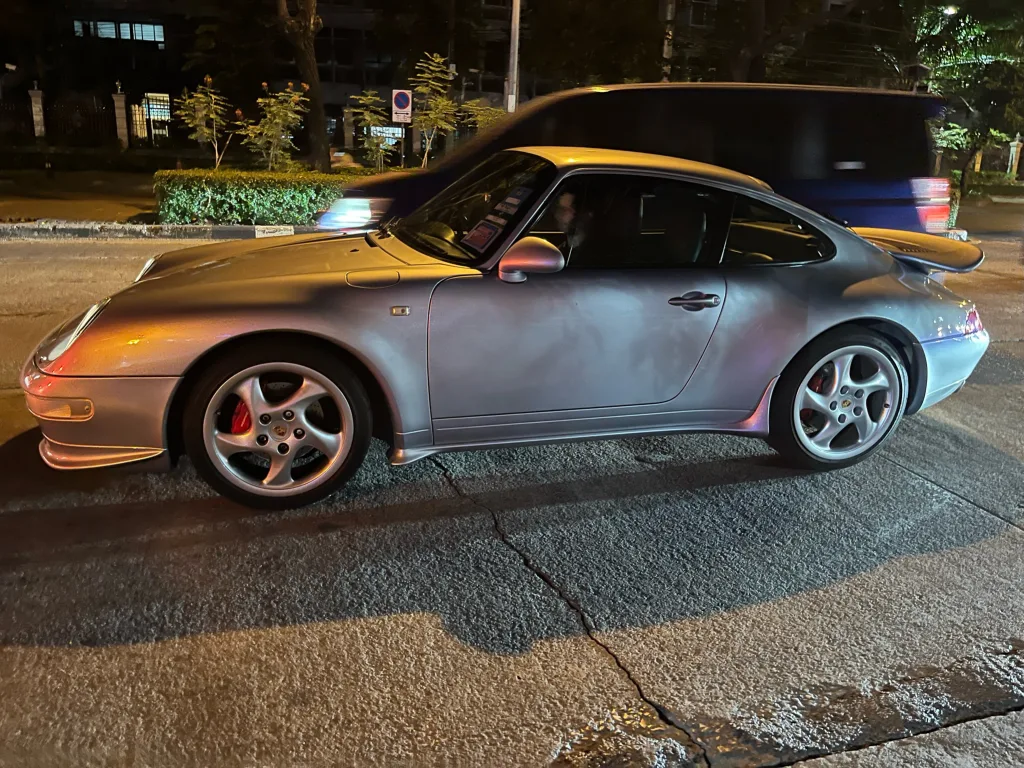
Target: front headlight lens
{"type": "Point", "coordinates": [69, 333]}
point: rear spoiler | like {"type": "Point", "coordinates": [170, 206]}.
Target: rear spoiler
{"type": "Point", "coordinates": [928, 253]}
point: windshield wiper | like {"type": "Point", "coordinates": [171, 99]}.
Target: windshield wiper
{"type": "Point", "coordinates": [385, 228]}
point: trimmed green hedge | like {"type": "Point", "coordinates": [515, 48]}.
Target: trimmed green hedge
{"type": "Point", "coordinates": [247, 197]}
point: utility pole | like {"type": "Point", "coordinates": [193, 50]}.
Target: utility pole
{"type": "Point", "coordinates": [667, 14]}
{"type": "Point", "coordinates": [513, 58]}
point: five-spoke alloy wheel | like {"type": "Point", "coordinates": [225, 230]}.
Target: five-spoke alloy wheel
{"type": "Point", "coordinates": [277, 428]}
{"type": "Point", "coordinates": [838, 400]}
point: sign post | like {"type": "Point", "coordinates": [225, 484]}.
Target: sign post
{"type": "Point", "coordinates": [401, 112]}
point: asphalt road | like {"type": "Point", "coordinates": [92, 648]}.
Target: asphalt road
{"type": "Point", "coordinates": [657, 601]}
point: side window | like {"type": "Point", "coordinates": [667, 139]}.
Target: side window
{"type": "Point", "coordinates": [618, 221]}
{"type": "Point", "coordinates": [761, 235]}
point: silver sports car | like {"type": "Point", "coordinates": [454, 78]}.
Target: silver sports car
{"type": "Point", "coordinates": [551, 294]}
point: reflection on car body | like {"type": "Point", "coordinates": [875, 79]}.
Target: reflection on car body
{"type": "Point", "coordinates": [550, 294]}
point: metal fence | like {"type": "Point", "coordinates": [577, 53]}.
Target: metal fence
{"type": "Point", "coordinates": [150, 120]}
{"type": "Point", "coordinates": [16, 121]}
{"type": "Point", "coordinates": [86, 122]}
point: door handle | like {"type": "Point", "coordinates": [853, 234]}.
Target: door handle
{"type": "Point", "coordinates": [696, 301]}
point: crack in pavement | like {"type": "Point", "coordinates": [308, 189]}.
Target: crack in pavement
{"type": "Point", "coordinates": [587, 623]}
{"type": "Point", "coordinates": [1009, 521]}
{"type": "Point", "coordinates": [907, 737]}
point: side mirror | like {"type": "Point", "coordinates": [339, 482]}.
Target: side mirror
{"type": "Point", "coordinates": [531, 254]}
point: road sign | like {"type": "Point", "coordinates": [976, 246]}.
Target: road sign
{"type": "Point", "coordinates": [401, 106]}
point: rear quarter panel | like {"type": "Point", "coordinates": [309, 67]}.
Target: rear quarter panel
{"type": "Point", "coordinates": [771, 313]}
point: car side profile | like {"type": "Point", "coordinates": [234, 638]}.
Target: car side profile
{"type": "Point", "coordinates": [550, 294]}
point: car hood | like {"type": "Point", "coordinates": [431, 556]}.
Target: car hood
{"type": "Point", "coordinates": [271, 257]}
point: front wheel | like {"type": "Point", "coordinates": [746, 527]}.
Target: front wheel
{"type": "Point", "coordinates": [839, 400]}
{"type": "Point", "coordinates": [277, 426]}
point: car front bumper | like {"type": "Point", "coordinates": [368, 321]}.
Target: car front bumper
{"type": "Point", "coordinates": [90, 422]}
{"type": "Point", "coordinates": [950, 362]}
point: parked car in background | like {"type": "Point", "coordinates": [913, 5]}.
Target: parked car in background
{"type": "Point", "coordinates": [861, 156]}
{"type": "Point", "coordinates": [550, 294]}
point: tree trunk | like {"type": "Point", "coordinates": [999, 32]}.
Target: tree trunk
{"type": "Point", "coordinates": [426, 151]}
{"type": "Point", "coordinates": [743, 64]}
{"type": "Point", "coordinates": [316, 120]}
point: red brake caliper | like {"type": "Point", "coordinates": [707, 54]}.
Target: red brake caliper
{"type": "Point", "coordinates": [241, 421]}
{"type": "Point", "coordinates": [816, 384]}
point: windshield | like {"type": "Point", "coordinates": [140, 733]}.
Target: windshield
{"type": "Point", "coordinates": [467, 221]}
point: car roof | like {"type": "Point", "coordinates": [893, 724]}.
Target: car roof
{"type": "Point", "coordinates": [588, 157]}
{"type": "Point", "coordinates": [755, 88]}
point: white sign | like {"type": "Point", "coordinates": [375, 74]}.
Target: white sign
{"type": "Point", "coordinates": [388, 131]}
{"type": "Point", "coordinates": [401, 106]}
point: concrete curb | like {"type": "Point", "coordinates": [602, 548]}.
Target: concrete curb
{"type": "Point", "coordinates": [57, 229]}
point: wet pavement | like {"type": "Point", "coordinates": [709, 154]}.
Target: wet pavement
{"type": "Point", "coordinates": [656, 601]}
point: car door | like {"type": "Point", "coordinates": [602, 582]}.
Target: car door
{"type": "Point", "coordinates": [624, 324]}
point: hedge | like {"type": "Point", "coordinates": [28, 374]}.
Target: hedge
{"type": "Point", "coordinates": [247, 197]}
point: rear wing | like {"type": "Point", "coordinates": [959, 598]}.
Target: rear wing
{"type": "Point", "coordinates": [928, 253]}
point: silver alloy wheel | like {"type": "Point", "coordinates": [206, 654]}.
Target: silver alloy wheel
{"type": "Point", "coordinates": [281, 430]}
{"type": "Point", "coordinates": [847, 402]}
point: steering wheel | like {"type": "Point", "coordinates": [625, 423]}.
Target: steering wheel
{"type": "Point", "coordinates": [440, 230]}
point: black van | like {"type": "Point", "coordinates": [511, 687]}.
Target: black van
{"type": "Point", "coordinates": [860, 155]}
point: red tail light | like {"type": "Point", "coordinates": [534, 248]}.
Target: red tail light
{"type": "Point", "coordinates": [974, 322]}
{"type": "Point", "coordinates": [931, 195]}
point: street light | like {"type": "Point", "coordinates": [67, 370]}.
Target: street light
{"type": "Point", "coordinates": [950, 10]}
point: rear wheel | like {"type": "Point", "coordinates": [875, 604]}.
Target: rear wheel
{"type": "Point", "coordinates": [839, 400]}
{"type": "Point", "coordinates": [277, 426]}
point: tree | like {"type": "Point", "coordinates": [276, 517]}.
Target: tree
{"type": "Point", "coordinates": [976, 63]}
{"type": "Point", "coordinates": [771, 26]}
{"type": "Point", "coordinates": [236, 42]}
{"type": "Point", "coordinates": [370, 114]}
{"type": "Point", "coordinates": [403, 30]}
{"type": "Point", "coordinates": [436, 111]}
{"type": "Point", "coordinates": [301, 28]}
{"type": "Point", "coordinates": [205, 112]}
{"type": "Point", "coordinates": [271, 137]}
{"type": "Point", "coordinates": [580, 42]}
{"type": "Point", "coordinates": [481, 115]}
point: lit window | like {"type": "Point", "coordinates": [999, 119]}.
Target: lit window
{"type": "Point", "coordinates": [159, 32]}
{"type": "Point", "coordinates": [106, 29]}
{"type": "Point", "coordinates": [157, 106]}
{"type": "Point", "coordinates": [126, 32]}
{"type": "Point", "coordinates": [79, 29]}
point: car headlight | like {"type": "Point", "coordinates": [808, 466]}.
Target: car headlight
{"type": "Point", "coordinates": [67, 334]}
{"type": "Point", "coordinates": [353, 213]}
{"type": "Point", "coordinates": [146, 267]}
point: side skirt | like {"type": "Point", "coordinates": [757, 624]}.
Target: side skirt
{"type": "Point", "coordinates": [754, 425]}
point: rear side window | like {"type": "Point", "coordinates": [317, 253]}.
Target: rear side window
{"type": "Point", "coordinates": [887, 139]}
{"type": "Point", "coordinates": [762, 235]}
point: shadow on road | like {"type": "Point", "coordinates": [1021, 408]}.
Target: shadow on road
{"type": "Point", "coordinates": [713, 526]}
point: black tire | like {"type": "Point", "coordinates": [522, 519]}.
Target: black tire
{"type": "Point", "coordinates": [783, 425]}
{"type": "Point", "coordinates": [308, 354]}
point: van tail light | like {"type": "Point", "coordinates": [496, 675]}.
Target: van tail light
{"type": "Point", "coordinates": [931, 197]}
{"type": "Point", "coordinates": [973, 322]}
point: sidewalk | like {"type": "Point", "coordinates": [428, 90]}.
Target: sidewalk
{"type": "Point", "coordinates": [77, 196]}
